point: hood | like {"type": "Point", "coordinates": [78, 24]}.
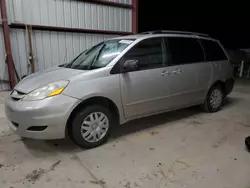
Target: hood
{"type": "Point", "coordinates": [45, 77]}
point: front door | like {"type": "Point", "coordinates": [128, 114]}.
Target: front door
{"type": "Point", "coordinates": [144, 91]}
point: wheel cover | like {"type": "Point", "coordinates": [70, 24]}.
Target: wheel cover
{"type": "Point", "coordinates": [94, 127]}
{"type": "Point", "coordinates": [216, 98]}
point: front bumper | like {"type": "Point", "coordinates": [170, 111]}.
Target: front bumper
{"type": "Point", "coordinates": [51, 113]}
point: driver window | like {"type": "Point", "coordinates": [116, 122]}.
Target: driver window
{"type": "Point", "coordinates": [148, 53]}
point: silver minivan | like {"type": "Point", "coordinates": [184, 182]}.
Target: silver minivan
{"type": "Point", "coordinates": [119, 80]}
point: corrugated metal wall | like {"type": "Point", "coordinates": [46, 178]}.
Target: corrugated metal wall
{"type": "Point", "coordinates": [4, 77]}
{"type": "Point", "coordinates": [57, 47]}
{"type": "Point", "coordinates": [70, 13]}
{"type": "Point", "coordinates": [49, 48]}
{"type": "Point", "coordinates": [54, 48]}
{"type": "Point", "coordinates": [3, 66]}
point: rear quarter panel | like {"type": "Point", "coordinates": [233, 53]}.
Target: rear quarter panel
{"type": "Point", "coordinates": [221, 71]}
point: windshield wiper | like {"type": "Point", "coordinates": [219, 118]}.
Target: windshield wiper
{"type": "Point", "coordinates": [72, 62]}
{"type": "Point", "coordinates": [96, 57]}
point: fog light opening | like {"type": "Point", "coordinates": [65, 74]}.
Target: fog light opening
{"type": "Point", "coordinates": [37, 128]}
{"type": "Point", "coordinates": [15, 124]}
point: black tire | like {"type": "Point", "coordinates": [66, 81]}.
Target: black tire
{"type": "Point", "coordinates": [247, 143]}
{"type": "Point", "coordinates": [208, 107]}
{"type": "Point", "coordinates": [76, 134]}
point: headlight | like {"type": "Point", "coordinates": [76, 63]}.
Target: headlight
{"type": "Point", "coordinates": [49, 90]}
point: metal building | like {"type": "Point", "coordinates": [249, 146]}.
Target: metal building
{"type": "Point", "coordinates": [39, 34]}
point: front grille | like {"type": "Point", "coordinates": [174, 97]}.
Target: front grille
{"type": "Point", "coordinates": [17, 95]}
{"type": "Point", "coordinates": [15, 99]}
{"type": "Point", "coordinates": [20, 93]}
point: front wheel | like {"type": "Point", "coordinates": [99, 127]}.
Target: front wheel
{"type": "Point", "coordinates": [91, 126]}
{"type": "Point", "coordinates": [214, 99]}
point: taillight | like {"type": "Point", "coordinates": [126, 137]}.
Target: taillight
{"type": "Point", "coordinates": [233, 63]}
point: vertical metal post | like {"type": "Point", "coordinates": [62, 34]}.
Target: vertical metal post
{"type": "Point", "coordinates": [241, 68]}
{"type": "Point", "coordinates": [248, 72]}
{"type": "Point", "coordinates": [6, 33]}
{"type": "Point", "coordinates": [31, 58]}
{"type": "Point", "coordinates": [134, 16]}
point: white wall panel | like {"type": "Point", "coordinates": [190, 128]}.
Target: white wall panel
{"type": "Point", "coordinates": [46, 49]}
{"type": "Point", "coordinates": [4, 77]}
{"type": "Point", "coordinates": [55, 48]}
{"type": "Point", "coordinates": [71, 13]}
{"type": "Point", "coordinates": [74, 14]}
{"type": "Point", "coordinates": [52, 13]}
{"type": "Point", "coordinates": [35, 4]}
{"type": "Point", "coordinates": [38, 50]}
{"type": "Point", "coordinates": [49, 49]}
{"type": "Point", "coordinates": [19, 51]}
{"type": "Point", "coordinates": [17, 11]}
{"type": "Point", "coordinates": [59, 13]}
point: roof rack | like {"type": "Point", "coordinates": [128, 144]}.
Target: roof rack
{"type": "Point", "coordinates": [174, 32]}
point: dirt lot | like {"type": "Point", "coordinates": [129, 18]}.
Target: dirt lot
{"type": "Point", "coordinates": [185, 148]}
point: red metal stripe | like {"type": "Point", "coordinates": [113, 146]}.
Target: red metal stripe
{"type": "Point", "coordinates": [6, 33]}
{"type": "Point", "coordinates": [66, 29]}
{"type": "Point", "coordinates": [109, 3]}
{"type": "Point", "coordinates": [135, 16]}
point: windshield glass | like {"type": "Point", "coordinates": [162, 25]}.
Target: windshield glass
{"type": "Point", "coordinates": [99, 55]}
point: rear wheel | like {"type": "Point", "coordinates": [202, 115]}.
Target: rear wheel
{"type": "Point", "coordinates": [91, 126]}
{"type": "Point", "coordinates": [214, 99]}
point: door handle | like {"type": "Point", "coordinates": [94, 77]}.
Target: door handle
{"type": "Point", "coordinates": [177, 71]}
{"type": "Point", "coordinates": [164, 73]}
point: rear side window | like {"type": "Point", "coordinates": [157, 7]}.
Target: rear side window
{"type": "Point", "coordinates": [213, 51]}
{"type": "Point", "coordinates": [148, 52]}
{"type": "Point", "coordinates": [185, 50]}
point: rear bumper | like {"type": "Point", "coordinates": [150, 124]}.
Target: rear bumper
{"type": "Point", "coordinates": [229, 85]}
{"type": "Point", "coordinates": [29, 118]}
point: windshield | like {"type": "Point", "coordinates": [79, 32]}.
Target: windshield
{"type": "Point", "coordinates": [99, 55]}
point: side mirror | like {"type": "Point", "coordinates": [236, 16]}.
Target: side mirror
{"type": "Point", "coordinates": [130, 65]}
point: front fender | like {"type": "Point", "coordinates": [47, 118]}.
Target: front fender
{"type": "Point", "coordinates": [107, 87]}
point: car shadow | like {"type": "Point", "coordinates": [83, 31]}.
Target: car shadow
{"type": "Point", "coordinates": [155, 121]}
{"type": "Point", "coordinates": [230, 101]}
{"type": "Point", "coordinates": [165, 118]}
{"type": "Point", "coordinates": [66, 145]}
{"type": "Point", "coordinates": [46, 148]}
{"type": "Point", "coordinates": [41, 148]}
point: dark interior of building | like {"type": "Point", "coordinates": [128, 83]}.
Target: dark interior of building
{"type": "Point", "coordinates": [228, 23]}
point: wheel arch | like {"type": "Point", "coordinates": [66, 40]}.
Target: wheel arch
{"type": "Point", "coordinates": [103, 101]}
{"type": "Point", "coordinates": [218, 82]}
